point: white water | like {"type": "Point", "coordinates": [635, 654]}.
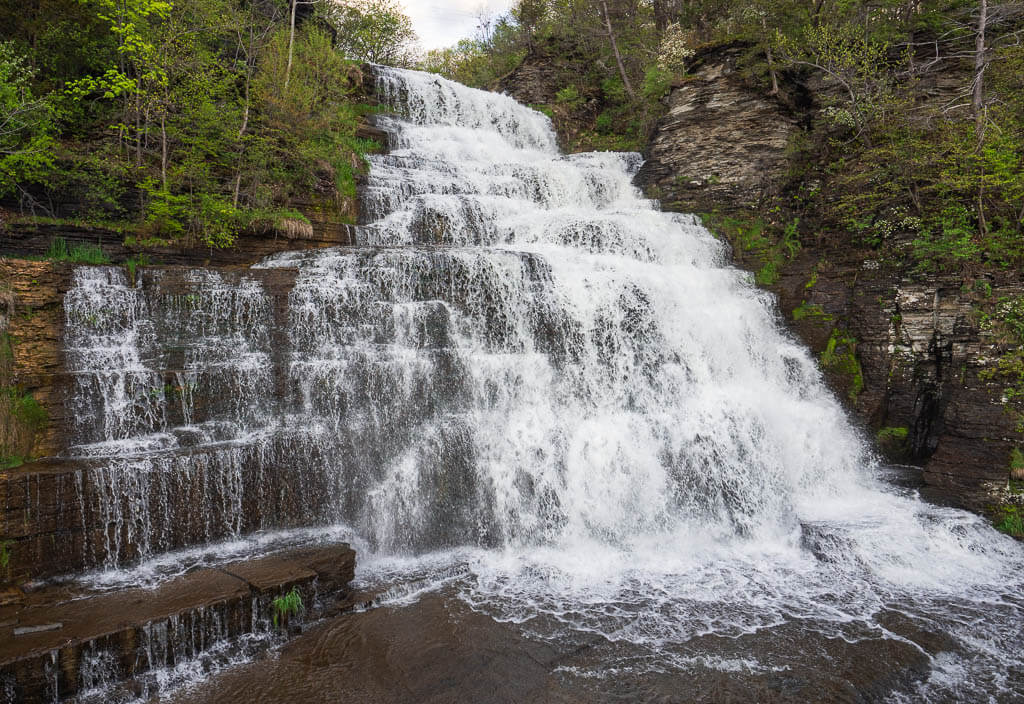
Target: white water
{"type": "Point", "coordinates": [529, 383]}
{"type": "Point", "coordinates": [658, 460]}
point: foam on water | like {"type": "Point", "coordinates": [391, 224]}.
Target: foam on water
{"type": "Point", "coordinates": [659, 461]}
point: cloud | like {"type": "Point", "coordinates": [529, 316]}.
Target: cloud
{"type": "Point", "coordinates": [441, 23]}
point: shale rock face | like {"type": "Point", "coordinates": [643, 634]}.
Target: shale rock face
{"type": "Point", "coordinates": [922, 358]}
{"type": "Point", "coordinates": [548, 68]}
{"type": "Point", "coordinates": [912, 353]}
{"type": "Point", "coordinates": [721, 145]}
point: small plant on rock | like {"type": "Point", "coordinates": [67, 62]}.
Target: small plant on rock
{"type": "Point", "coordinates": [1012, 521]}
{"type": "Point", "coordinates": [286, 606]}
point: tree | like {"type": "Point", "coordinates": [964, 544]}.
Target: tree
{"type": "Point", "coordinates": [291, 36]}
{"type": "Point", "coordinates": [377, 31]}
{"type": "Point", "coordinates": [858, 62]}
{"type": "Point", "coordinates": [615, 49]}
{"type": "Point", "coordinates": [26, 125]}
{"type": "Point", "coordinates": [139, 73]}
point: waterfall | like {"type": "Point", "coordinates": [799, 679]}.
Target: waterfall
{"type": "Point", "coordinates": [523, 363]}
{"type": "Point", "coordinates": [521, 350]}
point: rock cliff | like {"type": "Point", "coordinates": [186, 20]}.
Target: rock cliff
{"type": "Point", "coordinates": [908, 351]}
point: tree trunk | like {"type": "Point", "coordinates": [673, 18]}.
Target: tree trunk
{"type": "Point", "coordinates": [615, 49]}
{"type": "Point", "coordinates": [291, 47]}
{"type": "Point", "coordinates": [978, 106]}
{"type": "Point", "coordinates": [163, 148]}
{"type": "Point", "coordinates": [661, 17]}
{"type": "Point", "coordinates": [771, 61]}
{"type": "Point", "coordinates": [241, 133]}
{"type": "Point", "coordinates": [138, 128]}
{"type": "Point", "coordinates": [977, 102]}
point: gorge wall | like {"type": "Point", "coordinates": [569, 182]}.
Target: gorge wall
{"type": "Point", "coordinates": [906, 350]}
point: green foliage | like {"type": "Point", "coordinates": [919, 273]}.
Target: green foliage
{"type": "Point", "coordinates": [614, 89]}
{"type": "Point", "coordinates": [133, 264]}
{"type": "Point", "coordinates": [1016, 463]}
{"type": "Point", "coordinates": [1010, 520]}
{"type": "Point", "coordinates": [175, 116]}
{"type": "Point", "coordinates": [28, 411]}
{"type": "Point", "coordinates": [78, 254]}
{"type": "Point", "coordinates": [954, 243]}
{"type": "Point", "coordinates": [377, 31]}
{"type": "Point", "coordinates": [286, 606]}
{"type": "Point", "coordinates": [26, 123]}
{"type": "Point", "coordinates": [5, 553]}
{"type": "Point", "coordinates": [810, 311]}
{"type": "Point", "coordinates": [857, 62]}
{"type": "Point", "coordinates": [752, 237]}
{"type": "Point", "coordinates": [166, 213]}
{"type": "Point", "coordinates": [314, 121]}
{"type": "Point", "coordinates": [1005, 321]}
{"type": "Point", "coordinates": [545, 109]}
{"type": "Point", "coordinates": [21, 418]}
{"type": "Point", "coordinates": [657, 81]}
{"type": "Point", "coordinates": [569, 96]}
{"type": "Point", "coordinates": [840, 357]}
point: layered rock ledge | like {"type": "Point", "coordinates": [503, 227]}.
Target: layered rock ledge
{"type": "Point", "coordinates": [59, 640]}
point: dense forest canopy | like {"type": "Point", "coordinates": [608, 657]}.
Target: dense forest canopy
{"type": "Point", "coordinates": [200, 118]}
{"type": "Point", "coordinates": [892, 151]}
{"type": "Point", "coordinates": [185, 118]}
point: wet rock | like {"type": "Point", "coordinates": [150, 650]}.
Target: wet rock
{"type": "Point", "coordinates": [931, 641]}
{"type": "Point", "coordinates": [436, 651]}
{"type": "Point", "coordinates": [42, 628]}
{"type": "Point", "coordinates": [134, 630]}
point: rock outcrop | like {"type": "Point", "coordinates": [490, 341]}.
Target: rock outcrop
{"type": "Point", "coordinates": [57, 641]}
{"type": "Point", "coordinates": [721, 145]}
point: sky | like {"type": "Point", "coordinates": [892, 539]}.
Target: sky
{"type": "Point", "coordinates": [441, 23]}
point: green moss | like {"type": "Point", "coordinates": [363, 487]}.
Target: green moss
{"type": "Point", "coordinates": [811, 311]}
{"type": "Point", "coordinates": [892, 442]}
{"type": "Point", "coordinates": [763, 247]}
{"type": "Point", "coordinates": [840, 357]}
{"type": "Point", "coordinates": [899, 434]}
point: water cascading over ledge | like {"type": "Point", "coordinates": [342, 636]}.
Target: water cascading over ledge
{"type": "Point", "coordinates": [519, 349]}
{"type": "Point", "coordinates": [526, 361]}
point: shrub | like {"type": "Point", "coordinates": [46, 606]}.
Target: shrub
{"type": "Point", "coordinates": [569, 96]}
{"type": "Point", "coordinates": [1010, 521]}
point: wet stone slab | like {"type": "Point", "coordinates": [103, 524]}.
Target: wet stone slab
{"type": "Point", "coordinates": [48, 636]}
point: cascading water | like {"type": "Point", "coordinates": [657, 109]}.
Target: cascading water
{"type": "Point", "coordinates": [557, 398]}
